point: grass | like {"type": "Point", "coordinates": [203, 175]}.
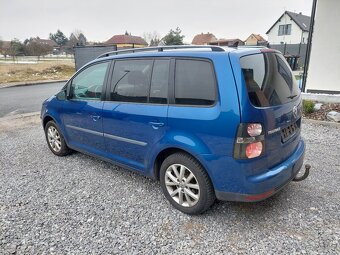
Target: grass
{"type": "Point", "coordinates": [308, 106]}
{"type": "Point", "coordinates": [47, 70]}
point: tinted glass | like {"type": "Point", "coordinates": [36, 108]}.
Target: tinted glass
{"type": "Point", "coordinates": [269, 79]}
{"type": "Point", "coordinates": [194, 82]}
{"type": "Point", "coordinates": [88, 84]}
{"type": "Point", "coordinates": [159, 82]}
{"type": "Point", "coordinates": [131, 80]}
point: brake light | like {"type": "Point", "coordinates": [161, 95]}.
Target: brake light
{"type": "Point", "coordinates": [249, 141]}
{"type": "Point", "coordinates": [254, 150]}
{"type": "Point", "coordinates": [254, 129]}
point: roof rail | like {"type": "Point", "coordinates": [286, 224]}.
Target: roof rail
{"type": "Point", "coordinates": [161, 48]}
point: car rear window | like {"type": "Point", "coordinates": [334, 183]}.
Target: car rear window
{"type": "Point", "coordinates": [269, 79]}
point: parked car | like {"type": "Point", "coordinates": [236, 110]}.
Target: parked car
{"type": "Point", "coordinates": [208, 122]}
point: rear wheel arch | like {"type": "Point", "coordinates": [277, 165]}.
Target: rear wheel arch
{"type": "Point", "coordinates": [189, 189]}
{"type": "Point", "coordinates": [162, 155]}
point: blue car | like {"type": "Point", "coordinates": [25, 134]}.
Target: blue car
{"type": "Point", "coordinates": [206, 121]}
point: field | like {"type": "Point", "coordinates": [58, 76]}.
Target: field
{"type": "Point", "coordinates": [24, 71]}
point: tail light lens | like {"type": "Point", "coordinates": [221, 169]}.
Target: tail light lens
{"type": "Point", "coordinates": [254, 150]}
{"type": "Point", "coordinates": [254, 129]}
{"type": "Point", "coordinates": [249, 141]}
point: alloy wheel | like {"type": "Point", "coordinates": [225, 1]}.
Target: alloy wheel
{"type": "Point", "coordinates": [54, 139]}
{"type": "Point", "coordinates": [182, 185]}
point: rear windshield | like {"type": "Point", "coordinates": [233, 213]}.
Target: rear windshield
{"type": "Point", "coordinates": [269, 79]}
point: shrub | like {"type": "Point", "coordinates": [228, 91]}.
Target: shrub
{"type": "Point", "coordinates": [308, 106]}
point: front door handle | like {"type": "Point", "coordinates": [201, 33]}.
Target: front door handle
{"type": "Point", "coordinates": [95, 117]}
{"type": "Point", "coordinates": [156, 124]}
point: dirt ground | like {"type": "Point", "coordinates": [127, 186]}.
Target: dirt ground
{"type": "Point", "coordinates": [47, 70]}
{"type": "Point", "coordinates": [322, 113]}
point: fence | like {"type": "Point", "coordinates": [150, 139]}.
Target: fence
{"type": "Point", "coordinates": [292, 50]}
{"type": "Point", "coordinates": [85, 54]}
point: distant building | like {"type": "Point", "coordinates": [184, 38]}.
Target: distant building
{"type": "Point", "coordinates": [127, 41]}
{"type": "Point", "coordinates": [227, 42]}
{"type": "Point", "coordinates": [203, 39]}
{"type": "Point", "coordinates": [51, 43]}
{"type": "Point", "coordinates": [45, 41]}
{"type": "Point", "coordinates": [290, 28]}
{"type": "Point", "coordinates": [255, 39]}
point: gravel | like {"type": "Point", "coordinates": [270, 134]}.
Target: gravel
{"type": "Point", "coordinates": [78, 205]}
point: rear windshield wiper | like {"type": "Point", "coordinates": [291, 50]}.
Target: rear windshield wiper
{"type": "Point", "coordinates": [292, 96]}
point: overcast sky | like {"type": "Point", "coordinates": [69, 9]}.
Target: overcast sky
{"type": "Point", "coordinates": [101, 19]}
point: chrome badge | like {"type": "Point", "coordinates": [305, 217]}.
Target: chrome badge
{"type": "Point", "coordinates": [295, 111]}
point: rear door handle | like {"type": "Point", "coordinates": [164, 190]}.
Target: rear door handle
{"type": "Point", "coordinates": [95, 117]}
{"type": "Point", "coordinates": [156, 124]}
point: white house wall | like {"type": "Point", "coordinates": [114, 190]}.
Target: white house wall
{"type": "Point", "coordinates": [324, 65]}
{"type": "Point", "coordinates": [293, 38]}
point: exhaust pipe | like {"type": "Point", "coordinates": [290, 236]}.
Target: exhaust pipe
{"type": "Point", "coordinates": [304, 176]}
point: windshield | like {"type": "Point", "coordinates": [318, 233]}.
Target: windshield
{"type": "Point", "coordinates": [269, 79]}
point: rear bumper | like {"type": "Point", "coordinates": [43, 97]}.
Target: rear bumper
{"type": "Point", "coordinates": [269, 182]}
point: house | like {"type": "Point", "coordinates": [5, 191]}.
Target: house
{"type": "Point", "coordinates": [203, 39]}
{"type": "Point", "coordinates": [127, 41]}
{"type": "Point", "coordinates": [227, 42]}
{"type": "Point", "coordinates": [45, 41]}
{"type": "Point", "coordinates": [290, 28]}
{"type": "Point", "coordinates": [323, 71]}
{"type": "Point", "coordinates": [255, 39]}
{"type": "Point", "coordinates": [51, 43]}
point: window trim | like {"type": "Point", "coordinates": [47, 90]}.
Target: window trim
{"type": "Point", "coordinates": [285, 29]}
{"type": "Point", "coordinates": [216, 92]}
{"type": "Point", "coordinates": [110, 81]}
{"type": "Point", "coordinates": [102, 98]}
{"type": "Point", "coordinates": [153, 66]}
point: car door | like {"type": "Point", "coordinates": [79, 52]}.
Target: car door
{"type": "Point", "coordinates": [135, 117]}
{"type": "Point", "coordinates": [82, 112]}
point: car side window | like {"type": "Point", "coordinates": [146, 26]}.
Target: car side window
{"type": "Point", "coordinates": [159, 82]}
{"type": "Point", "coordinates": [88, 84]}
{"type": "Point", "coordinates": [131, 80]}
{"type": "Point", "coordinates": [194, 82]}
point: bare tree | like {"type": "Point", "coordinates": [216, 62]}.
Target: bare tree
{"type": "Point", "coordinates": [36, 48]}
{"type": "Point", "coordinates": [152, 38]}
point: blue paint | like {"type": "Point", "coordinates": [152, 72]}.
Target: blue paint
{"type": "Point", "coordinates": [123, 133]}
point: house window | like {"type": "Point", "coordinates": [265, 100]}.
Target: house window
{"type": "Point", "coordinates": [285, 29]}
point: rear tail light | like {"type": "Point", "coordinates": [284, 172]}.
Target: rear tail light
{"type": "Point", "coordinates": [254, 129]}
{"type": "Point", "coordinates": [249, 141]}
{"type": "Point", "coordinates": [254, 150]}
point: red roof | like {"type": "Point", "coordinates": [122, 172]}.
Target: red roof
{"type": "Point", "coordinates": [126, 39]}
{"type": "Point", "coordinates": [227, 42]}
{"type": "Point", "coordinates": [202, 39]}
{"type": "Point", "coordinates": [45, 41]}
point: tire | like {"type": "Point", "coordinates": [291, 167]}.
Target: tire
{"type": "Point", "coordinates": [55, 140]}
{"type": "Point", "coordinates": [183, 176]}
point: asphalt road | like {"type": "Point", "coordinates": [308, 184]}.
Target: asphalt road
{"type": "Point", "coordinates": [25, 99]}
{"type": "Point", "coordinates": [81, 205]}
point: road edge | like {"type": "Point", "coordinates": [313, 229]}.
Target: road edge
{"type": "Point", "coordinates": [28, 83]}
{"type": "Point", "coordinates": [18, 116]}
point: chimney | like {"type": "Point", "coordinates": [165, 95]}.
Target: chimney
{"type": "Point", "coordinates": [300, 13]}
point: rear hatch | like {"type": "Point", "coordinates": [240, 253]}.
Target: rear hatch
{"type": "Point", "coordinates": [269, 95]}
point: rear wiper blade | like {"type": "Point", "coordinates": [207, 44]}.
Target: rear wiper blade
{"type": "Point", "coordinates": [292, 96]}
